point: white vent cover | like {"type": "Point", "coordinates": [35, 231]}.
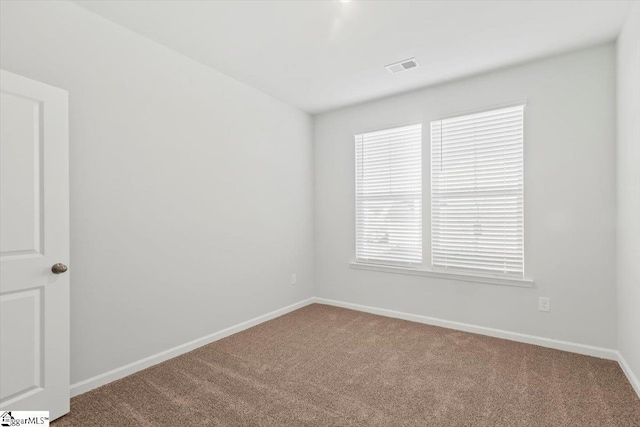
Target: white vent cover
{"type": "Point", "coordinates": [405, 65]}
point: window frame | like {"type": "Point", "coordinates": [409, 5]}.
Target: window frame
{"type": "Point", "coordinates": [427, 271]}
{"type": "Point", "coordinates": [374, 262]}
{"type": "Point", "coordinates": [471, 271]}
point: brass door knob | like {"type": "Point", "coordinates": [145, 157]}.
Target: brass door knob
{"type": "Point", "coordinates": [58, 268]}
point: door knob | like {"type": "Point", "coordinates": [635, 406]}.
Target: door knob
{"type": "Point", "coordinates": [58, 268]}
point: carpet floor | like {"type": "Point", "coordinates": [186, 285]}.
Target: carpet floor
{"type": "Point", "coordinates": [328, 366]}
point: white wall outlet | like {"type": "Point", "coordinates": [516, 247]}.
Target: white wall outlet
{"type": "Point", "coordinates": [544, 304]}
{"type": "Point", "coordinates": [294, 280]}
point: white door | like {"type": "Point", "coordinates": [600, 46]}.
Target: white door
{"type": "Point", "coordinates": [34, 235]}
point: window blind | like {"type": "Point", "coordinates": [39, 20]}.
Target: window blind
{"type": "Point", "coordinates": [389, 196]}
{"type": "Point", "coordinates": [477, 192]}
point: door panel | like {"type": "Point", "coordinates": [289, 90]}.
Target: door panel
{"type": "Point", "coordinates": [21, 190]}
{"type": "Point", "coordinates": [21, 357]}
{"type": "Point", "coordinates": [34, 235]}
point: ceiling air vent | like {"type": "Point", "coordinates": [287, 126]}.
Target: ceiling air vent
{"type": "Point", "coordinates": [405, 65]}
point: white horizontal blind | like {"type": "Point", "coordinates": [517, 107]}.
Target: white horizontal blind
{"type": "Point", "coordinates": [389, 196]}
{"type": "Point", "coordinates": [477, 192]}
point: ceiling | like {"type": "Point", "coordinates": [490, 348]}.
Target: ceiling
{"type": "Point", "coordinates": [322, 55]}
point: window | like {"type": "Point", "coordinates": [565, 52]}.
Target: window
{"type": "Point", "coordinates": [477, 193]}
{"type": "Point", "coordinates": [389, 196]}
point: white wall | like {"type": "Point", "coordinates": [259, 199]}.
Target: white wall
{"type": "Point", "coordinates": [628, 166]}
{"type": "Point", "coordinates": [191, 193]}
{"type": "Point", "coordinates": [569, 201]}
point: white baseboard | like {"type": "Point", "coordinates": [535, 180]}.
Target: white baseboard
{"type": "Point", "coordinates": [635, 382]}
{"type": "Point", "coordinates": [588, 350]}
{"type": "Point", "coordinates": [123, 371]}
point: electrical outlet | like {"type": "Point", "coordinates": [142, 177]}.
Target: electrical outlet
{"type": "Point", "coordinates": [294, 280]}
{"type": "Point", "coordinates": [544, 304]}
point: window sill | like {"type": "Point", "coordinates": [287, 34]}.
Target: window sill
{"type": "Point", "coordinates": [463, 277]}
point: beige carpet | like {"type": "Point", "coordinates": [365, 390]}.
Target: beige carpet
{"type": "Point", "coordinates": [327, 366]}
